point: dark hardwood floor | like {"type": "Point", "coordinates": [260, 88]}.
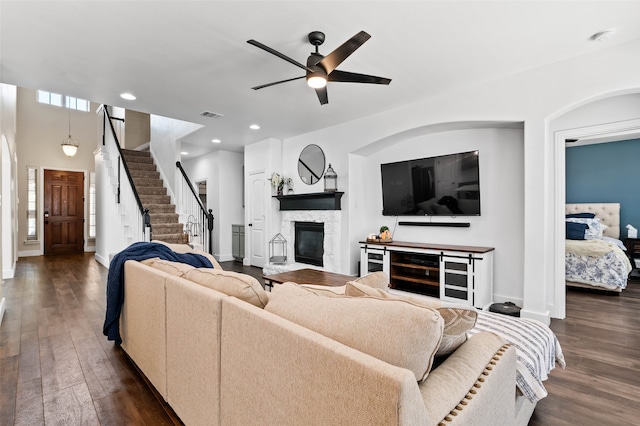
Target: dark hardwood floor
{"type": "Point", "coordinates": [56, 367]}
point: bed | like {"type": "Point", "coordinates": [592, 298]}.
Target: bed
{"type": "Point", "coordinates": [596, 259]}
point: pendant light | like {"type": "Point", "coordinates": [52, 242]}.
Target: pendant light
{"type": "Point", "coordinates": [69, 145]}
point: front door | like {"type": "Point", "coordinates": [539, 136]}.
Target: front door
{"type": "Point", "coordinates": [63, 212]}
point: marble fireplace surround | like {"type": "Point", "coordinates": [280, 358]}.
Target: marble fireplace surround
{"type": "Point", "coordinates": [332, 226]}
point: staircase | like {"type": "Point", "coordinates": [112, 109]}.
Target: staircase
{"type": "Point", "coordinates": [146, 178]}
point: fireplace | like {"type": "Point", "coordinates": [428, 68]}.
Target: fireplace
{"type": "Point", "coordinates": [309, 243]}
{"type": "Point", "coordinates": [331, 220]}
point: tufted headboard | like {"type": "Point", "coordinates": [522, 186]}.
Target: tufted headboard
{"type": "Point", "coordinates": [608, 213]}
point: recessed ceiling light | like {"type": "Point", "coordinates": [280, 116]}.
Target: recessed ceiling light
{"type": "Point", "coordinates": [254, 127]}
{"type": "Point", "coordinates": [184, 153]}
{"type": "Point", "coordinates": [127, 96]}
{"type": "Point", "coordinates": [604, 34]}
{"type": "Point", "coordinates": [216, 140]}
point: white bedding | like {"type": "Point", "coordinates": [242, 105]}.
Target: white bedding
{"type": "Point", "coordinates": [537, 349]}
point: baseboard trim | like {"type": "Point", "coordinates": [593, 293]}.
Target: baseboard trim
{"type": "Point", "coordinates": [30, 253]}
{"type": "Point", "coordinates": [101, 260]}
{"type": "Point", "coordinates": [544, 317]}
{"type": "Point", "coordinates": [9, 273]}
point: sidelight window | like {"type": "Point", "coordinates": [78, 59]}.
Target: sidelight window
{"type": "Point", "coordinates": [32, 203]}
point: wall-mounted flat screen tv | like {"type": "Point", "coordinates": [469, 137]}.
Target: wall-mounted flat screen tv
{"type": "Point", "coordinates": [447, 185]}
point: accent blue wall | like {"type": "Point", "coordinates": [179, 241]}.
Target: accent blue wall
{"type": "Point", "coordinates": [606, 173]}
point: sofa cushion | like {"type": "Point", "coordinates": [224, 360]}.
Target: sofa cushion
{"type": "Point", "coordinates": [394, 331]}
{"type": "Point", "coordinates": [174, 268]}
{"type": "Point", "coordinates": [377, 279]}
{"type": "Point", "coordinates": [241, 286]}
{"type": "Point", "coordinates": [457, 319]}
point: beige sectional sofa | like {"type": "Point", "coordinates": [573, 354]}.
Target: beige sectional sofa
{"type": "Point", "coordinates": [248, 357]}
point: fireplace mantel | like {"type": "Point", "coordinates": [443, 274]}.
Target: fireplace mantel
{"type": "Point", "coordinates": [313, 201]}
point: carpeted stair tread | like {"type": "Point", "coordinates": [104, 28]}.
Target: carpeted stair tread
{"type": "Point", "coordinates": [148, 174]}
{"type": "Point", "coordinates": [167, 228]}
{"type": "Point", "coordinates": [138, 159]}
{"type": "Point", "coordinates": [160, 208]}
{"type": "Point", "coordinates": [168, 238]}
{"type": "Point", "coordinates": [154, 182]}
{"type": "Point", "coordinates": [154, 199]}
{"type": "Point", "coordinates": [141, 166]}
{"type": "Point", "coordinates": [151, 190]}
{"type": "Point", "coordinates": [163, 217]}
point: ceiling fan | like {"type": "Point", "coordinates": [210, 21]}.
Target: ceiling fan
{"type": "Point", "coordinates": [321, 69]}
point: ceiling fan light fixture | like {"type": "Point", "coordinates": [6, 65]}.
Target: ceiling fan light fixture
{"type": "Point", "coordinates": [316, 80]}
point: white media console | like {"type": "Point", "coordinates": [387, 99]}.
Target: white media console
{"type": "Point", "coordinates": [459, 274]}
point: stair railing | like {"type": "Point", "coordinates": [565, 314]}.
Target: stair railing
{"type": "Point", "coordinates": [198, 221]}
{"type": "Point", "coordinates": [126, 194]}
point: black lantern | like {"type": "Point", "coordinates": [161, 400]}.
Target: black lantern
{"type": "Point", "coordinates": [330, 180]}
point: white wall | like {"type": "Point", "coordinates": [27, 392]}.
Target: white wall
{"type": "Point", "coordinates": [165, 146]}
{"type": "Point", "coordinates": [8, 182]}
{"type": "Point", "coordinates": [41, 128]}
{"type": "Point", "coordinates": [222, 170]}
{"type": "Point", "coordinates": [501, 196]}
{"type": "Point", "coordinates": [531, 97]}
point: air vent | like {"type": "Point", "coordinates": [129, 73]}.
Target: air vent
{"type": "Point", "coordinates": [210, 114]}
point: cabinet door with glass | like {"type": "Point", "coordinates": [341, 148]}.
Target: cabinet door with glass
{"type": "Point", "coordinates": [373, 259]}
{"type": "Point", "coordinates": [456, 279]}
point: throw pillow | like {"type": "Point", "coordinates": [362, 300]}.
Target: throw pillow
{"type": "Point", "coordinates": [241, 286]}
{"type": "Point", "coordinates": [575, 231]}
{"type": "Point", "coordinates": [581, 215]}
{"type": "Point", "coordinates": [399, 333]}
{"type": "Point", "coordinates": [375, 279]}
{"type": "Point", "coordinates": [174, 268]}
{"type": "Point", "coordinates": [457, 319]}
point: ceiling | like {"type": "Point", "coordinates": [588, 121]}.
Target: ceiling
{"type": "Point", "coordinates": [181, 58]}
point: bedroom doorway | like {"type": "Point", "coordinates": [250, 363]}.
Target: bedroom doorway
{"type": "Point", "coordinates": [607, 132]}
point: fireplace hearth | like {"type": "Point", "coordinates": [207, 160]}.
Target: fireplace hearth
{"type": "Point", "coordinates": [309, 243]}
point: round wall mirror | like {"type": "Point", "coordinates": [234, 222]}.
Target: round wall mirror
{"type": "Point", "coordinates": [311, 164]}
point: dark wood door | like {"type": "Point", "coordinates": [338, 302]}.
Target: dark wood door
{"type": "Point", "coordinates": [63, 212]}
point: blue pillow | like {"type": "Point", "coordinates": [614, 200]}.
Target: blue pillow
{"type": "Point", "coordinates": [575, 231]}
{"type": "Point", "coordinates": [581, 215]}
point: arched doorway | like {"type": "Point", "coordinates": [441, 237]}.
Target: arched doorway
{"type": "Point", "coordinates": [616, 116]}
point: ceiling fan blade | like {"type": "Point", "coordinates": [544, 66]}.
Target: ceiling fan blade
{"type": "Point", "coordinates": [277, 82]}
{"type": "Point", "coordinates": [322, 95]}
{"type": "Point", "coordinates": [276, 53]}
{"type": "Point", "coordinates": [350, 77]}
{"type": "Point", "coordinates": [335, 58]}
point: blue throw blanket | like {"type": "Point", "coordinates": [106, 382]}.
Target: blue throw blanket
{"type": "Point", "coordinates": [115, 279]}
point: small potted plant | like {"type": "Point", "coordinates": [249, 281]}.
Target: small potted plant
{"type": "Point", "coordinates": [385, 234]}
